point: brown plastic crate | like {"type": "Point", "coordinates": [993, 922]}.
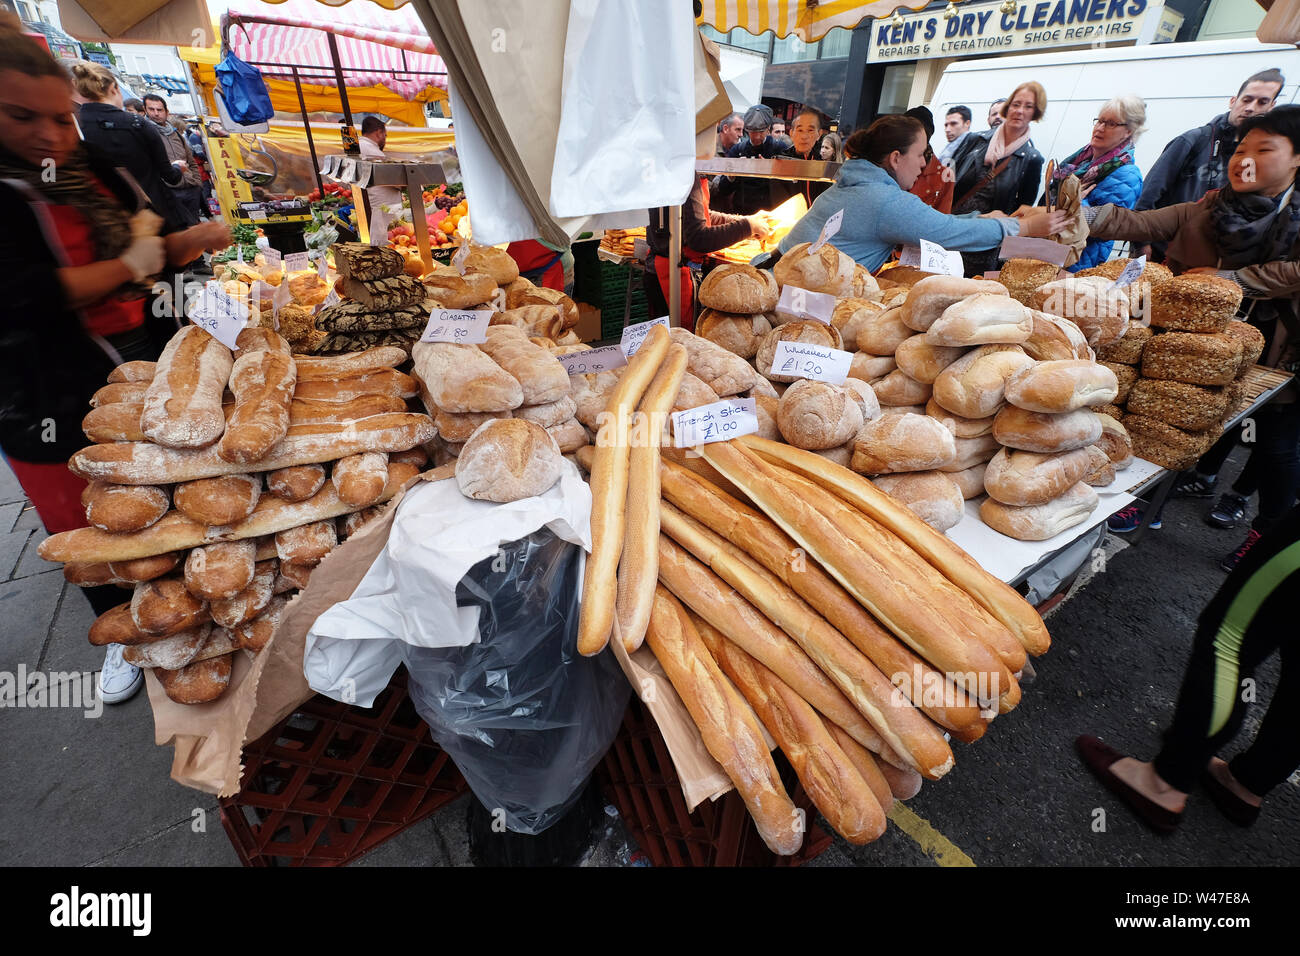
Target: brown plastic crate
{"type": "Point", "coordinates": [332, 781]}
{"type": "Point", "coordinates": [639, 778]}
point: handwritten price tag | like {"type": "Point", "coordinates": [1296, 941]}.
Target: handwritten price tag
{"type": "Point", "coordinates": [262, 291]}
{"type": "Point", "coordinates": [220, 313]}
{"type": "Point", "coordinates": [1130, 273]}
{"type": "Point", "coordinates": [594, 360]}
{"type": "Point", "coordinates": [818, 362]}
{"type": "Point", "coordinates": [349, 170]}
{"type": "Point", "coordinates": [634, 335]}
{"type": "Point", "coordinates": [281, 298]}
{"type": "Point", "coordinates": [831, 227]}
{"type": "Point", "coordinates": [935, 258]}
{"type": "Point", "coordinates": [458, 327]}
{"type": "Point", "coordinates": [258, 215]}
{"type": "Point", "coordinates": [458, 260]}
{"type": "Point", "coordinates": [720, 421]}
{"type": "Point", "coordinates": [297, 262]}
{"type": "Point", "coordinates": [273, 259]}
{"type": "Point", "coordinates": [798, 304]}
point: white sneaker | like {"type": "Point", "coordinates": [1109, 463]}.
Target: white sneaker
{"type": "Point", "coordinates": [118, 681]}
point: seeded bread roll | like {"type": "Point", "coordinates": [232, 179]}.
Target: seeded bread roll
{"type": "Point", "coordinates": [982, 319]}
{"type": "Point", "coordinates": [959, 426]}
{"type": "Point", "coordinates": [219, 501]}
{"type": "Point", "coordinates": [1126, 377]}
{"type": "Point", "coordinates": [739, 334]}
{"type": "Point", "coordinates": [851, 315]}
{"type": "Point", "coordinates": [1092, 303]}
{"type": "Point", "coordinates": [1128, 349]}
{"type": "Point", "coordinates": [508, 460]}
{"type": "Point", "coordinates": [1056, 387]}
{"type": "Point", "coordinates": [1193, 408]}
{"type": "Point", "coordinates": [1195, 303]}
{"type": "Point", "coordinates": [931, 295]}
{"type": "Point", "coordinates": [724, 372]}
{"type": "Point", "coordinates": [1165, 445]}
{"type": "Point", "coordinates": [1115, 442]}
{"type": "Point", "coordinates": [1197, 359]}
{"type": "Point", "coordinates": [931, 495]}
{"type": "Point", "coordinates": [829, 270]}
{"type": "Point", "coordinates": [896, 443]}
{"type": "Point", "coordinates": [922, 360]}
{"type": "Point", "coordinates": [1028, 478]}
{"type": "Point", "coordinates": [1114, 411]}
{"type": "Point", "coordinates": [871, 368]}
{"type": "Point", "coordinates": [218, 571]}
{"type": "Point", "coordinates": [811, 331]}
{"type": "Point", "coordinates": [1022, 276]}
{"type": "Point", "coordinates": [1252, 344]}
{"type": "Point", "coordinates": [898, 388]}
{"type": "Point", "coordinates": [739, 288]}
{"type": "Point", "coordinates": [881, 333]}
{"type": "Point", "coordinates": [974, 386]}
{"type": "Point", "coordinates": [1044, 433]}
{"type": "Point", "coordinates": [1040, 522]}
{"type": "Point", "coordinates": [816, 415]}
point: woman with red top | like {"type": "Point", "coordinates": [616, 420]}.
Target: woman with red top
{"type": "Point", "coordinates": [72, 299]}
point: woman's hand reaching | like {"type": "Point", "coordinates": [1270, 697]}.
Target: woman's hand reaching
{"type": "Point", "coordinates": [184, 247]}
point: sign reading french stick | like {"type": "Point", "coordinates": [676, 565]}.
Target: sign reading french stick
{"type": "Point", "coordinates": [719, 421]}
{"type": "Point", "coordinates": [817, 362]}
{"type": "Point", "coordinates": [458, 326]}
{"type": "Point", "coordinates": [591, 361]}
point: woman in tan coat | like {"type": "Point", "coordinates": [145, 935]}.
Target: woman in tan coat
{"type": "Point", "coordinates": [1248, 232]}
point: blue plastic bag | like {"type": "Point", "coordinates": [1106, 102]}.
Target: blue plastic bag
{"type": "Point", "coordinates": [244, 90]}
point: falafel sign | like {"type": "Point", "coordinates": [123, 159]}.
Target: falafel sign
{"type": "Point", "coordinates": [982, 28]}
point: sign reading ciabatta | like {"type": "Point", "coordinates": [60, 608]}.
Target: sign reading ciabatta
{"type": "Point", "coordinates": [719, 421]}
{"type": "Point", "coordinates": [796, 304]}
{"type": "Point", "coordinates": [1044, 250]}
{"type": "Point", "coordinates": [818, 362]}
{"type": "Point", "coordinates": [983, 28]}
{"type": "Point", "coordinates": [634, 335]}
{"type": "Point", "coordinates": [829, 228]}
{"type": "Point", "coordinates": [592, 361]}
{"type": "Point", "coordinates": [458, 326]}
{"type": "Point", "coordinates": [220, 313]}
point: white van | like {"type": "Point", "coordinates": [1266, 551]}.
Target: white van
{"type": "Point", "coordinates": [1184, 85]}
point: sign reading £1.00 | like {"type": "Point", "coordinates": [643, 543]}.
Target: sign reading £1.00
{"type": "Point", "coordinates": [981, 28]}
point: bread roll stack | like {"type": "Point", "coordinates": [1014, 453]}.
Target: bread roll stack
{"type": "Point", "coordinates": [739, 309]}
{"type": "Point", "coordinates": [212, 529]}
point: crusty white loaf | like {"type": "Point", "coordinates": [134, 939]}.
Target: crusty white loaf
{"type": "Point", "coordinates": [1028, 478]}
{"type": "Point", "coordinates": [922, 360]}
{"type": "Point", "coordinates": [1115, 442]}
{"type": "Point", "coordinates": [818, 415]}
{"type": "Point", "coordinates": [182, 406]}
{"type": "Point", "coordinates": [724, 372]}
{"type": "Point", "coordinates": [540, 374]}
{"type": "Point", "coordinates": [881, 333]}
{"type": "Point", "coordinates": [899, 388]}
{"type": "Point", "coordinates": [932, 496]}
{"type": "Point", "coordinates": [739, 288]}
{"type": "Point", "coordinates": [958, 425]}
{"type": "Point", "coordinates": [360, 479]}
{"type": "Point", "coordinates": [1062, 386]}
{"type": "Point", "coordinates": [1044, 433]}
{"type": "Point", "coordinates": [984, 319]}
{"type": "Point", "coordinates": [218, 571]}
{"type": "Point", "coordinates": [970, 481]}
{"type": "Point", "coordinates": [829, 270]}
{"type": "Point", "coordinates": [929, 297]}
{"type": "Point", "coordinates": [462, 378]}
{"type": "Point", "coordinates": [894, 443]}
{"type": "Point", "coordinates": [972, 452]}
{"type": "Point", "coordinates": [1040, 522]}
{"type": "Point", "coordinates": [219, 501]}
{"type": "Point", "coordinates": [850, 315]}
{"type": "Point", "coordinates": [508, 459]}
{"type": "Point", "coordinates": [974, 386]}
{"type": "Point", "coordinates": [871, 368]}
{"type": "Point", "coordinates": [122, 508]}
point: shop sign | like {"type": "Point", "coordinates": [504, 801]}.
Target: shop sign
{"type": "Point", "coordinates": [983, 28]}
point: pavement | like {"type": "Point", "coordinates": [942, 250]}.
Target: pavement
{"type": "Point", "coordinates": [95, 791]}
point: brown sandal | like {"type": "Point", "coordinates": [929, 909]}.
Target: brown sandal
{"type": "Point", "coordinates": [1099, 757]}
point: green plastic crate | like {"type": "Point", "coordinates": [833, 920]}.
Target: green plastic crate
{"type": "Point", "coordinates": [614, 280]}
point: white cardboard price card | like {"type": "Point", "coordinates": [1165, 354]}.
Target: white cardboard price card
{"type": "Point", "coordinates": [262, 291]}
{"type": "Point", "coordinates": [349, 170]}
{"type": "Point", "coordinates": [1130, 273]}
{"type": "Point", "coordinates": [257, 215]}
{"type": "Point", "coordinates": [273, 258]}
{"type": "Point", "coordinates": [297, 262]}
{"type": "Point", "coordinates": [818, 362]}
{"type": "Point", "coordinates": [720, 421]}
{"type": "Point", "coordinates": [910, 256]}
{"type": "Point", "coordinates": [935, 258]}
{"type": "Point", "coordinates": [831, 227]}
{"type": "Point", "coordinates": [634, 335]}
{"type": "Point", "coordinates": [281, 298]}
{"type": "Point", "coordinates": [800, 304]}
{"type": "Point", "coordinates": [592, 361]}
{"type": "Point", "coordinates": [458, 326]}
{"type": "Point", "coordinates": [220, 313]}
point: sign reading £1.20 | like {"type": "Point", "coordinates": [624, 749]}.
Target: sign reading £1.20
{"type": "Point", "coordinates": [982, 28]}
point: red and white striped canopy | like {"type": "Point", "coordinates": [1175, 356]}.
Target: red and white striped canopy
{"type": "Point", "coordinates": [376, 45]}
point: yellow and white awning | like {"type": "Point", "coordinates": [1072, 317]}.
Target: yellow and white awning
{"type": "Point", "coordinates": [809, 20]}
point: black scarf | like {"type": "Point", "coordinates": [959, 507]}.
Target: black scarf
{"type": "Point", "coordinates": [1250, 229]}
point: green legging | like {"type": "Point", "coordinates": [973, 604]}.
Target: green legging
{"type": "Point", "coordinates": [1256, 612]}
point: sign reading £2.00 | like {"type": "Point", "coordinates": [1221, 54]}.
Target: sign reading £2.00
{"type": "Point", "coordinates": [981, 28]}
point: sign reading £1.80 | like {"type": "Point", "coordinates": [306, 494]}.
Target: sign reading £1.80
{"type": "Point", "coordinates": [982, 28]}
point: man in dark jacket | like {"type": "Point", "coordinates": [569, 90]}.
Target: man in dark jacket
{"type": "Point", "coordinates": [188, 193]}
{"type": "Point", "coordinates": [132, 142]}
{"type": "Point", "coordinates": [745, 195]}
{"type": "Point", "coordinates": [806, 143]}
{"type": "Point", "coordinates": [1197, 161]}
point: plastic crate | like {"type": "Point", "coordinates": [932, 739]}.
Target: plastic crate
{"type": "Point", "coordinates": [332, 781]}
{"type": "Point", "coordinates": [614, 281]}
{"type": "Point", "coordinates": [639, 779]}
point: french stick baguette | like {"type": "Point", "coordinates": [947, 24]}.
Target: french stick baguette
{"type": "Point", "coordinates": [262, 383]}
{"type": "Point", "coordinates": [381, 381]}
{"type": "Point", "coordinates": [296, 483]}
{"type": "Point", "coordinates": [316, 368]}
{"type": "Point", "coordinates": [865, 764]}
{"type": "Point", "coordinates": [164, 607]}
{"type": "Point", "coordinates": [182, 406]}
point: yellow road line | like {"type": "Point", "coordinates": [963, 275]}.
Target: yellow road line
{"type": "Point", "coordinates": [931, 841]}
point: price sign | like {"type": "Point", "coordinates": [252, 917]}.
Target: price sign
{"type": "Point", "coordinates": [257, 214]}
{"type": "Point", "coordinates": [239, 252]}
{"type": "Point", "coordinates": [1130, 273]}
{"type": "Point", "coordinates": [331, 299]}
{"type": "Point", "coordinates": [634, 335]}
{"type": "Point", "coordinates": [720, 421]}
{"type": "Point", "coordinates": [818, 362]}
{"type": "Point", "coordinates": [796, 303]}
{"type": "Point", "coordinates": [261, 292]}
{"type": "Point", "coordinates": [349, 170]}
{"type": "Point", "coordinates": [297, 262]}
{"type": "Point", "coordinates": [831, 227]}
{"type": "Point", "coordinates": [273, 258]}
{"type": "Point", "coordinates": [591, 361]}
{"type": "Point", "coordinates": [220, 313]}
{"type": "Point", "coordinates": [458, 260]}
{"type": "Point", "coordinates": [935, 258]}
{"type": "Point", "coordinates": [459, 327]}
{"type": "Point", "coordinates": [281, 298]}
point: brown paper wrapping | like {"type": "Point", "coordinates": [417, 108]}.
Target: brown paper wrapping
{"type": "Point", "coordinates": [208, 739]}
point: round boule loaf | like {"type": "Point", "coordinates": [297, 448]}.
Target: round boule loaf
{"type": "Point", "coordinates": [828, 270]}
{"type": "Point", "coordinates": [970, 480]}
{"type": "Point", "coordinates": [810, 331]}
{"type": "Point", "coordinates": [1092, 303]}
{"type": "Point", "coordinates": [871, 368]}
{"type": "Point", "coordinates": [1252, 344]}
{"type": "Point", "coordinates": [164, 606]}
{"type": "Point", "coordinates": [1029, 478]}
{"type": "Point", "coordinates": [983, 319]}
{"type": "Point", "coordinates": [1046, 433]}
{"type": "Point", "coordinates": [1114, 441]}
{"type": "Point", "coordinates": [508, 459]}
{"type": "Point", "coordinates": [1062, 386]}
{"type": "Point", "coordinates": [735, 333]}
{"type": "Point", "coordinates": [898, 388]}
{"type": "Point", "coordinates": [932, 496]}
{"type": "Point", "coordinates": [1195, 303]}
{"type": "Point", "coordinates": [739, 288]}
{"type": "Point", "coordinates": [1194, 358]}
{"type": "Point", "coordinates": [307, 543]}
{"type": "Point", "coordinates": [959, 426]}
{"type": "Point", "coordinates": [922, 360]}
{"type": "Point", "coordinates": [906, 442]}
{"type": "Point", "coordinates": [931, 295]}
{"type": "Point", "coordinates": [817, 415]}
{"type": "Point", "coordinates": [850, 314]}
{"type": "Point", "coordinates": [882, 333]}
{"type": "Point", "coordinates": [124, 508]}
{"type": "Point", "coordinates": [494, 262]}
{"type": "Point", "coordinates": [974, 385]}
{"type": "Point", "coordinates": [1042, 521]}
{"type": "Point", "coordinates": [451, 290]}
{"type": "Point", "coordinates": [1023, 276]}
{"type": "Point", "coordinates": [295, 483]}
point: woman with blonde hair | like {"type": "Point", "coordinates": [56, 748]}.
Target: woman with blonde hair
{"type": "Point", "coordinates": [832, 151]}
{"type": "Point", "coordinates": [1106, 167]}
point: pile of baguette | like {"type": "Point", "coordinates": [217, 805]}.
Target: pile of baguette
{"type": "Point", "coordinates": [219, 480]}
{"type": "Point", "coordinates": [782, 591]}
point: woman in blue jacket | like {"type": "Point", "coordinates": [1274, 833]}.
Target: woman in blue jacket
{"type": "Point", "coordinates": [883, 161]}
{"type": "Point", "coordinates": [1106, 168]}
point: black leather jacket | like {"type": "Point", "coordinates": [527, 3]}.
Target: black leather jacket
{"type": "Point", "coordinates": [1017, 185]}
{"type": "Point", "coordinates": [134, 143]}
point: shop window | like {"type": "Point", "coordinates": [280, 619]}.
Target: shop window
{"type": "Point", "coordinates": [793, 50]}
{"type": "Point", "coordinates": [1226, 19]}
{"type": "Point", "coordinates": [896, 88]}
{"type": "Point", "coordinates": [747, 41]}
{"type": "Point", "coordinates": [836, 44]}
